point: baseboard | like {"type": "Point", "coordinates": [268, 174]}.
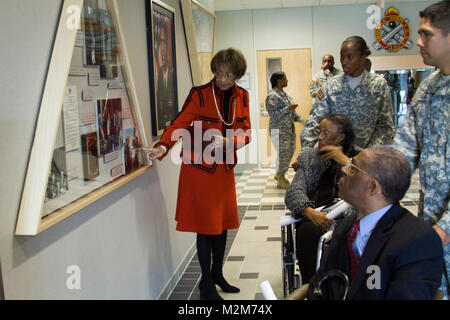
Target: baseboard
{"type": "Point", "coordinates": [179, 271]}
{"type": "Point", "coordinates": [2, 291]}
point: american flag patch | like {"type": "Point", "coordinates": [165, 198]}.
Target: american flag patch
{"type": "Point", "coordinates": [271, 102]}
{"type": "Point", "coordinates": [320, 93]}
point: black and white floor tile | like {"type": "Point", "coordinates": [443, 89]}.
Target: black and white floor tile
{"type": "Point", "coordinates": [253, 252]}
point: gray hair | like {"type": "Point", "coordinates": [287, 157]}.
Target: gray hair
{"type": "Point", "coordinates": [391, 169]}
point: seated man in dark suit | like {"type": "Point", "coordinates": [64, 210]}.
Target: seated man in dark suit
{"type": "Point", "coordinates": [385, 251]}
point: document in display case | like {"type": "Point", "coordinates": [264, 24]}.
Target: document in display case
{"type": "Point", "coordinates": [90, 112]}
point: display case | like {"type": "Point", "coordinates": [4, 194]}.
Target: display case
{"type": "Point", "coordinates": [200, 28]}
{"type": "Point", "coordinates": [89, 131]}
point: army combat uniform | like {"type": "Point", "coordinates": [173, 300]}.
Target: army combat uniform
{"type": "Point", "coordinates": [282, 122]}
{"type": "Point", "coordinates": [320, 78]}
{"type": "Point", "coordinates": [368, 106]}
{"type": "Point", "coordinates": [424, 138]}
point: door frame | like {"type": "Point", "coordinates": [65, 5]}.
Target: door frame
{"type": "Point", "coordinates": [256, 91]}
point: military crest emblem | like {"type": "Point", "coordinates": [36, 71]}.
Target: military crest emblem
{"type": "Point", "coordinates": [392, 32]}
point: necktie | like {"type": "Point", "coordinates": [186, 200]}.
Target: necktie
{"type": "Point", "coordinates": [354, 260]}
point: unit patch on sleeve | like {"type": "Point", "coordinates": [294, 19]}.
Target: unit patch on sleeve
{"type": "Point", "coordinates": [320, 93]}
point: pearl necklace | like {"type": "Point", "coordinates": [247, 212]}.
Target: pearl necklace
{"type": "Point", "coordinates": [217, 108]}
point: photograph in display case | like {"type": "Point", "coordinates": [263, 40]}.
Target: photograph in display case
{"type": "Point", "coordinates": [109, 114]}
{"type": "Point", "coordinates": [162, 64]}
{"type": "Point", "coordinates": [131, 149]}
{"type": "Point", "coordinates": [100, 38]}
{"type": "Point", "coordinates": [98, 126]}
{"type": "Point", "coordinates": [90, 155]}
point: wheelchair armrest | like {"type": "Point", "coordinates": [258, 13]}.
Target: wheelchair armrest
{"type": "Point", "coordinates": [299, 294]}
{"type": "Point", "coordinates": [287, 220]}
{"type": "Point", "coordinates": [326, 237]}
{"type": "Point", "coordinates": [337, 210]}
{"type": "Point", "coordinates": [267, 291]}
{"type": "Point", "coordinates": [333, 212]}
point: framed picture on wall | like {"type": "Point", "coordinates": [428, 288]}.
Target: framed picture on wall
{"type": "Point", "coordinates": [199, 27]}
{"type": "Point", "coordinates": [162, 64]}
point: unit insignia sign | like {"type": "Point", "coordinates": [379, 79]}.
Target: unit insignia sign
{"type": "Point", "coordinates": [392, 32]}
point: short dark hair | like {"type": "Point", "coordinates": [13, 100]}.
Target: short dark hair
{"type": "Point", "coordinates": [232, 57]}
{"type": "Point", "coordinates": [345, 127]}
{"type": "Point", "coordinates": [275, 77]}
{"type": "Point", "coordinates": [391, 169]}
{"type": "Point", "coordinates": [360, 43]}
{"type": "Point", "coordinates": [439, 15]}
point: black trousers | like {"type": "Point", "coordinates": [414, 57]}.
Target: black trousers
{"type": "Point", "coordinates": [307, 239]}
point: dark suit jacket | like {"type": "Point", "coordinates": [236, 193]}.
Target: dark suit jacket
{"type": "Point", "coordinates": [406, 249]}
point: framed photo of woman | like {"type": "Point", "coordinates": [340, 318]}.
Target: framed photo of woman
{"type": "Point", "coordinates": [162, 64]}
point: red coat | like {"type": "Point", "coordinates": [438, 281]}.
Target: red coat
{"type": "Point", "coordinates": [206, 201]}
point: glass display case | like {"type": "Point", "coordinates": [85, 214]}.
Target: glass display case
{"type": "Point", "coordinates": [89, 130]}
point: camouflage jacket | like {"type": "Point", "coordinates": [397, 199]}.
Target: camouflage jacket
{"type": "Point", "coordinates": [277, 104]}
{"type": "Point", "coordinates": [320, 78]}
{"type": "Point", "coordinates": [369, 107]}
{"type": "Point", "coordinates": [424, 138]}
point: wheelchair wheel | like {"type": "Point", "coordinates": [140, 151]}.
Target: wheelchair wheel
{"type": "Point", "coordinates": [289, 277]}
{"type": "Point", "coordinates": [283, 260]}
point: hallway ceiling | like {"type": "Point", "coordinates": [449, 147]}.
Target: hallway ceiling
{"type": "Point", "coordinates": [228, 5]}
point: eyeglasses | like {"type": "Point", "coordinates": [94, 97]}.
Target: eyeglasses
{"type": "Point", "coordinates": [228, 76]}
{"type": "Point", "coordinates": [349, 166]}
{"type": "Point", "coordinates": [324, 132]}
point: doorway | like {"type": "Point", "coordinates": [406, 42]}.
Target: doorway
{"type": "Point", "coordinates": [403, 84]}
{"type": "Point", "coordinates": [296, 64]}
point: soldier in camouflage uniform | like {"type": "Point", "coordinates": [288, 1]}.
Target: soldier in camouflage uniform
{"type": "Point", "coordinates": [424, 134]}
{"type": "Point", "coordinates": [327, 71]}
{"type": "Point", "coordinates": [363, 97]}
{"type": "Point", "coordinates": [281, 125]}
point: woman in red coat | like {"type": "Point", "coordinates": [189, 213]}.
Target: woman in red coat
{"type": "Point", "coordinates": [213, 124]}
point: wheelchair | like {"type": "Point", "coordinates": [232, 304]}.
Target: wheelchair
{"type": "Point", "coordinates": [291, 275]}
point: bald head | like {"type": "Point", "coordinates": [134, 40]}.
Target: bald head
{"type": "Point", "coordinates": [327, 62]}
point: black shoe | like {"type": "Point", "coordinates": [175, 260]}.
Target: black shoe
{"type": "Point", "coordinates": [210, 295]}
{"type": "Point", "coordinates": [225, 286]}
{"type": "Point", "coordinates": [208, 291]}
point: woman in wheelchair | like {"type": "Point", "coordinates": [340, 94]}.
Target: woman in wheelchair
{"type": "Point", "coordinates": [315, 184]}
